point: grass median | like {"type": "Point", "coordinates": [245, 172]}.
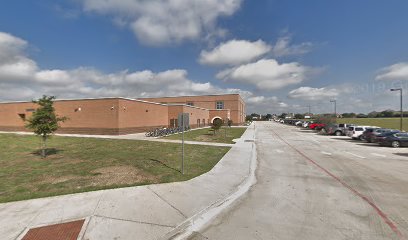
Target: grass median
{"type": "Point", "coordinates": [223, 135]}
{"type": "Point", "coordinates": [393, 123]}
{"type": "Point", "coordinates": [85, 164]}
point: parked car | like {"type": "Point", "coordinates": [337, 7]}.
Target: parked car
{"type": "Point", "coordinates": [299, 123]}
{"type": "Point", "coordinates": [306, 124]}
{"type": "Point", "coordinates": [393, 139]}
{"type": "Point", "coordinates": [343, 127]}
{"type": "Point", "coordinates": [316, 126]}
{"type": "Point", "coordinates": [371, 136]}
{"type": "Point", "coordinates": [336, 129]}
{"type": "Point", "coordinates": [367, 134]}
{"type": "Point", "coordinates": [356, 132]}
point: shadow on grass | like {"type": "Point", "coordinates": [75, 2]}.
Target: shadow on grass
{"type": "Point", "coordinates": [165, 165]}
{"type": "Point", "coordinates": [209, 134]}
{"type": "Point", "coordinates": [48, 151]}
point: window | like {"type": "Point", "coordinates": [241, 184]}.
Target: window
{"type": "Point", "coordinates": [190, 103]}
{"type": "Point", "coordinates": [219, 105]}
{"type": "Point", "coordinates": [22, 116]}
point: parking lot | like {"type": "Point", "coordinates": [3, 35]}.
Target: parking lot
{"type": "Point", "coordinates": [313, 186]}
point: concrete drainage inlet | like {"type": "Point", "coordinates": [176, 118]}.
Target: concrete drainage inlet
{"type": "Point", "coordinates": [65, 231]}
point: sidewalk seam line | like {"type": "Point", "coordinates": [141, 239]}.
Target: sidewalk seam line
{"type": "Point", "coordinates": [164, 200]}
{"type": "Point", "coordinates": [135, 221]}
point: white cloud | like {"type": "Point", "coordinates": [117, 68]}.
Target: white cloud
{"type": "Point", "coordinates": [267, 74]}
{"type": "Point", "coordinates": [14, 65]}
{"type": "Point", "coordinates": [398, 71]}
{"type": "Point", "coordinates": [309, 93]}
{"type": "Point", "coordinates": [234, 52]}
{"type": "Point", "coordinates": [158, 22]}
{"type": "Point", "coordinates": [22, 79]}
{"type": "Point", "coordinates": [263, 104]}
{"type": "Point", "coordinates": [283, 47]}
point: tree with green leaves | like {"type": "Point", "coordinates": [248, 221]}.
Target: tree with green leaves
{"type": "Point", "coordinates": [216, 125]}
{"type": "Point", "coordinates": [44, 121]}
{"type": "Point", "coordinates": [299, 116]}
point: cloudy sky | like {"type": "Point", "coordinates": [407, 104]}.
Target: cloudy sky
{"type": "Point", "coordinates": [280, 55]}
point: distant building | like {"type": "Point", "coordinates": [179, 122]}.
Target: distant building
{"type": "Point", "coordinates": [124, 115]}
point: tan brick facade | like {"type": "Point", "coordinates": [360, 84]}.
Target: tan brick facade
{"type": "Point", "coordinates": [122, 116]}
{"type": "Point", "coordinates": [232, 102]}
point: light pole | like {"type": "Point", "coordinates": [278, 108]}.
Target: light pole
{"type": "Point", "coordinates": [401, 115]}
{"type": "Point", "coordinates": [335, 106]}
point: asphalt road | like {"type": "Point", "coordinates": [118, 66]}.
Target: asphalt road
{"type": "Point", "coordinates": [311, 186]}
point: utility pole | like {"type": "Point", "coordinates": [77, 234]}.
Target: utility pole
{"type": "Point", "coordinates": [309, 110]}
{"type": "Point", "coordinates": [335, 106]}
{"type": "Point", "coordinates": [402, 113]}
{"type": "Point", "coordinates": [182, 144]}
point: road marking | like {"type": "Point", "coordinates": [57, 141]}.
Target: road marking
{"type": "Point", "coordinates": [382, 214]}
{"type": "Point", "coordinates": [279, 151]}
{"type": "Point", "coordinates": [355, 155]}
{"type": "Point", "coordinates": [378, 155]}
{"type": "Point", "coordinates": [326, 153]}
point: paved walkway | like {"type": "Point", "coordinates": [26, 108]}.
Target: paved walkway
{"type": "Point", "coordinates": [135, 136]}
{"type": "Point", "coordinates": [145, 212]}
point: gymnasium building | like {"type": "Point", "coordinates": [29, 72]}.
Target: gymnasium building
{"type": "Point", "coordinates": [115, 116]}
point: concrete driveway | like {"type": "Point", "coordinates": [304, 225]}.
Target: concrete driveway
{"type": "Point", "coordinates": [311, 186]}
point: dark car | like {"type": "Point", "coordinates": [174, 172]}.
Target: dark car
{"type": "Point", "coordinates": [371, 136]}
{"type": "Point", "coordinates": [393, 139]}
{"type": "Point", "coordinates": [368, 133]}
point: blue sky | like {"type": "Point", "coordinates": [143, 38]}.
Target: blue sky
{"type": "Point", "coordinates": [279, 55]}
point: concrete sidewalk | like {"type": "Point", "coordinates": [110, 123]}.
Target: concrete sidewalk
{"type": "Point", "coordinates": [145, 212]}
{"type": "Point", "coordinates": [134, 136]}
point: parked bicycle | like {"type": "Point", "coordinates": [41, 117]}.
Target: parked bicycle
{"type": "Point", "coordinates": [161, 132]}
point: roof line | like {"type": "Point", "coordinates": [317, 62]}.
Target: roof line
{"type": "Point", "coordinates": [193, 96]}
{"type": "Point", "coordinates": [186, 105]}
{"type": "Point", "coordinates": [101, 98]}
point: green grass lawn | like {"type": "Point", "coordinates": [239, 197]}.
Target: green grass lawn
{"type": "Point", "coordinates": [85, 164]}
{"type": "Point", "coordinates": [380, 122]}
{"type": "Point", "coordinates": [224, 135]}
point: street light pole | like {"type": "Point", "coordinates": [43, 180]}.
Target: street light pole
{"type": "Point", "coordinates": [402, 113]}
{"type": "Point", "coordinates": [335, 107]}
{"type": "Point", "coordinates": [182, 145]}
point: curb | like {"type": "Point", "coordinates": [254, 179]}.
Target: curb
{"type": "Point", "coordinates": [200, 220]}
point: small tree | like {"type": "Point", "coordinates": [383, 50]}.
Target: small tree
{"type": "Point", "coordinates": [229, 122]}
{"type": "Point", "coordinates": [299, 116]}
{"type": "Point", "coordinates": [44, 121]}
{"type": "Point", "coordinates": [216, 125]}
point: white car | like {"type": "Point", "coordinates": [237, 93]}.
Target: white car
{"type": "Point", "coordinates": [356, 132]}
{"type": "Point", "coordinates": [306, 124]}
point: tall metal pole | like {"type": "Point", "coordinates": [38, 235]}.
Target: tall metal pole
{"type": "Point", "coordinates": [335, 107]}
{"type": "Point", "coordinates": [182, 144]}
{"type": "Point", "coordinates": [401, 111]}
{"type": "Point", "coordinates": [309, 109]}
